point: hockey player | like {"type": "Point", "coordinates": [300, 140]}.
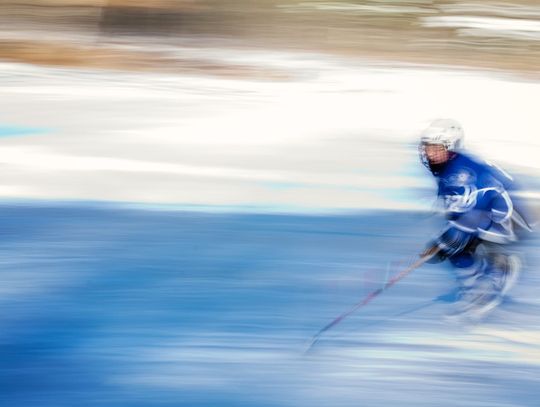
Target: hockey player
{"type": "Point", "coordinates": [483, 219]}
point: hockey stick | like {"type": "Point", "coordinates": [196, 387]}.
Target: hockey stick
{"type": "Point", "coordinates": [428, 254]}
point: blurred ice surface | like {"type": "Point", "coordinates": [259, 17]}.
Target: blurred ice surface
{"type": "Point", "coordinates": [103, 306]}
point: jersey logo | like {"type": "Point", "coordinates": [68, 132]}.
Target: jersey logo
{"type": "Point", "coordinates": [460, 191]}
{"type": "Point", "coordinates": [461, 199]}
{"type": "Point", "coordinates": [462, 178]}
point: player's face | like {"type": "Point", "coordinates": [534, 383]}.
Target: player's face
{"type": "Point", "coordinates": [436, 153]}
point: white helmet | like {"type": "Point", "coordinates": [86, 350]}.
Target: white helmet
{"type": "Point", "coordinates": [446, 132]}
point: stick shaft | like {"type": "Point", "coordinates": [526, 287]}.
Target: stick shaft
{"type": "Point", "coordinates": [375, 293]}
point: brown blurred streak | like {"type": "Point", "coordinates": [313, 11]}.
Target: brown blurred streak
{"type": "Point", "coordinates": [102, 57]}
{"type": "Point", "coordinates": [170, 4]}
{"type": "Point", "coordinates": [389, 36]}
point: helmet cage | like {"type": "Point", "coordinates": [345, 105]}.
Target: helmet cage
{"type": "Point", "coordinates": [445, 132]}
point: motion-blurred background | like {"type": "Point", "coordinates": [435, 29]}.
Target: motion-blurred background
{"type": "Point", "coordinates": [310, 105]}
{"type": "Point", "coordinates": [489, 33]}
{"type": "Point", "coordinates": [190, 189]}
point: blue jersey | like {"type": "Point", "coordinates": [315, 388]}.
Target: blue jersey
{"type": "Point", "coordinates": [478, 200]}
